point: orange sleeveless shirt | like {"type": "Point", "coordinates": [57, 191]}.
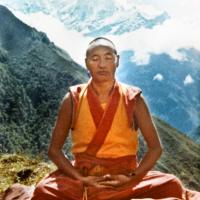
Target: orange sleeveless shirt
{"type": "Point", "coordinates": [121, 140]}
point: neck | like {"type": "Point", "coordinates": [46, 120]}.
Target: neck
{"type": "Point", "coordinates": [103, 88]}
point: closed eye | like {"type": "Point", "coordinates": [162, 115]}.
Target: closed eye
{"type": "Point", "coordinates": [94, 58]}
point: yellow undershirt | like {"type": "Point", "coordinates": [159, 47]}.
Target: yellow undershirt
{"type": "Point", "coordinates": [121, 140]}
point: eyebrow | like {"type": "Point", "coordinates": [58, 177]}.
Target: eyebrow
{"type": "Point", "coordinates": [106, 54]}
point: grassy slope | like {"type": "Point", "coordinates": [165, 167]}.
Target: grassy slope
{"type": "Point", "coordinates": [180, 156]}
{"type": "Point", "coordinates": [21, 169]}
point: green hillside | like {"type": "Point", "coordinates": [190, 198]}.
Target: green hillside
{"type": "Point", "coordinates": [180, 155]}
{"type": "Point", "coordinates": [34, 77]}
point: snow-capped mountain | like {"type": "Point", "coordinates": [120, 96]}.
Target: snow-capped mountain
{"type": "Point", "coordinates": [171, 86]}
{"type": "Point", "coordinates": [103, 17]}
{"type": "Point", "coordinates": [92, 18]}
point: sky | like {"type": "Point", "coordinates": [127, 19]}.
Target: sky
{"type": "Point", "coordinates": [182, 30]}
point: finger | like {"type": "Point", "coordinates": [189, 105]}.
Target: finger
{"type": "Point", "coordinates": [110, 183]}
{"type": "Point", "coordinates": [105, 186]}
{"type": "Point", "coordinates": [104, 178]}
{"type": "Point", "coordinates": [107, 176]}
{"type": "Point", "coordinates": [100, 179]}
{"type": "Point", "coordinates": [97, 185]}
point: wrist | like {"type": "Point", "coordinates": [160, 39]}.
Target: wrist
{"type": "Point", "coordinates": [79, 177]}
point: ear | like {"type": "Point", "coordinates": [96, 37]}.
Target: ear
{"type": "Point", "coordinates": [86, 63]}
{"type": "Point", "coordinates": [117, 60]}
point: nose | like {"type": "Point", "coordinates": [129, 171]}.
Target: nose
{"type": "Point", "coordinates": [102, 63]}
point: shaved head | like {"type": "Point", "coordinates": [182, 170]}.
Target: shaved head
{"type": "Point", "coordinates": [101, 42]}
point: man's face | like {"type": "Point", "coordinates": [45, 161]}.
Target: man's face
{"type": "Point", "coordinates": [102, 63]}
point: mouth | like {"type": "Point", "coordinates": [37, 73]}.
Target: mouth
{"type": "Point", "coordinates": [102, 73]}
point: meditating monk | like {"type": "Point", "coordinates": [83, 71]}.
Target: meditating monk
{"type": "Point", "coordinates": [104, 116]}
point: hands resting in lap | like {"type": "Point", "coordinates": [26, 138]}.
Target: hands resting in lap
{"type": "Point", "coordinates": [107, 181]}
